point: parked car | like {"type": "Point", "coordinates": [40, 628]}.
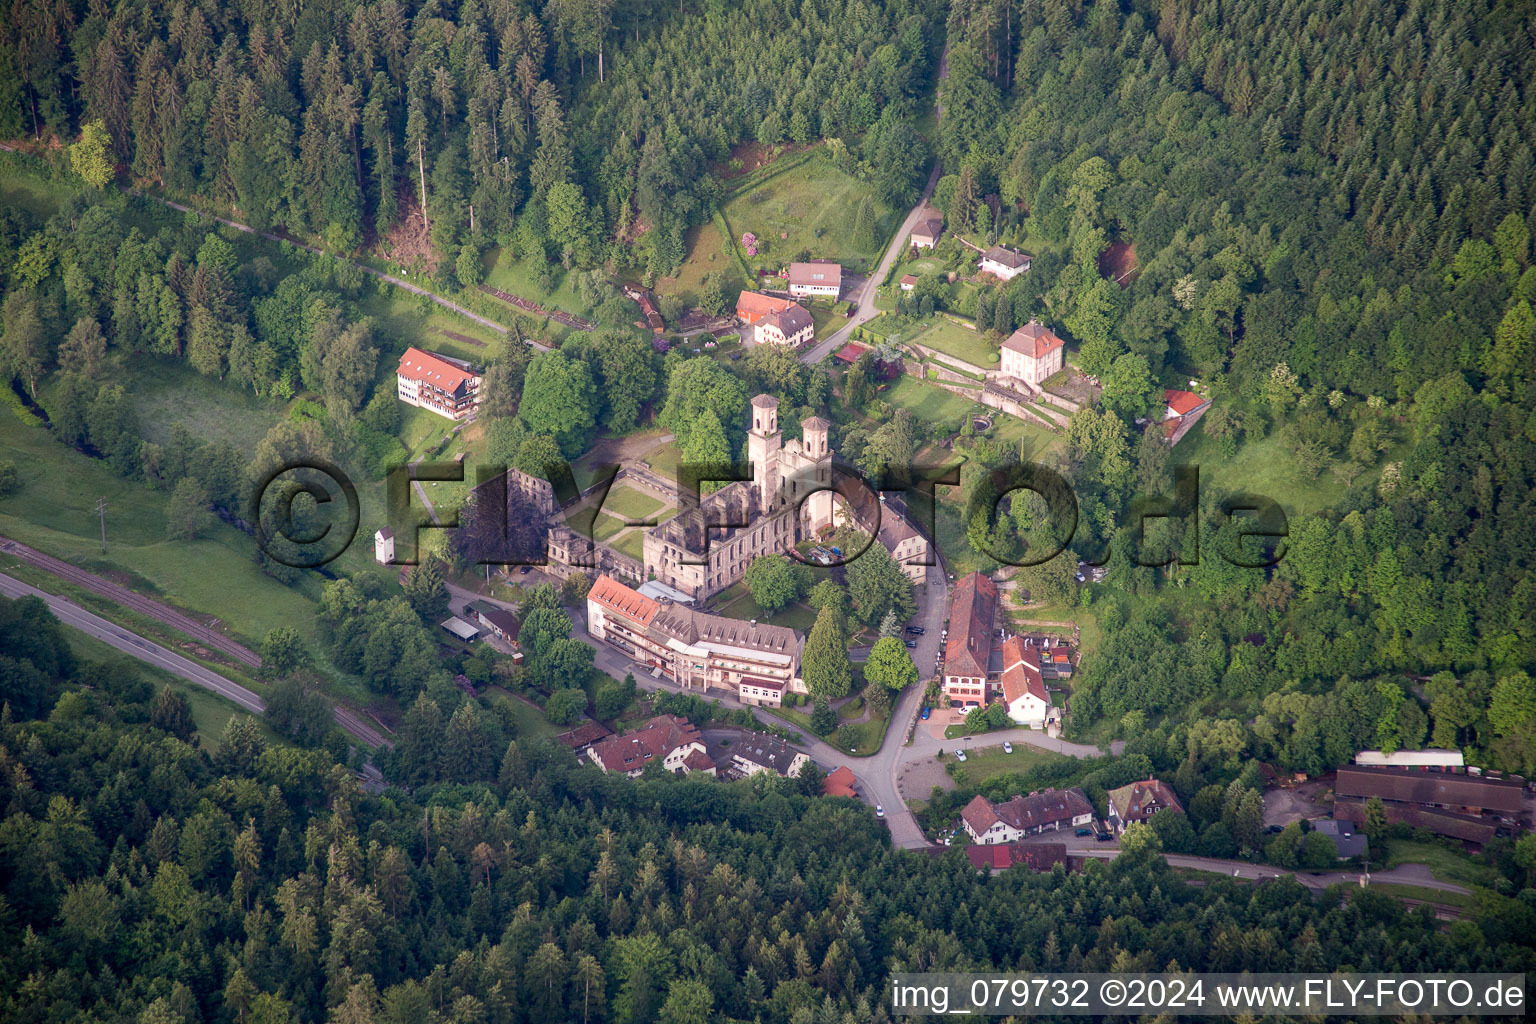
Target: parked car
{"type": "Point", "coordinates": [1103, 837]}
{"type": "Point", "coordinates": [916, 630]}
{"type": "Point", "coordinates": [910, 644]}
{"type": "Point", "coordinates": [525, 570]}
{"type": "Point", "coordinates": [1084, 833]}
{"type": "Point", "coordinates": [959, 754]}
{"type": "Point", "coordinates": [1007, 747]}
{"type": "Point", "coordinates": [879, 811]}
{"type": "Point", "coordinates": [926, 712]}
{"type": "Point", "coordinates": [1271, 830]}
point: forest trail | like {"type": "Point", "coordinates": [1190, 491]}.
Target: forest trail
{"type": "Point", "coordinates": [865, 299]}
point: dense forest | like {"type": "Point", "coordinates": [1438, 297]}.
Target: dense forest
{"type": "Point", "coordinates": [564, 129]}
{"type": "Point", "coordinates": [148, 879]}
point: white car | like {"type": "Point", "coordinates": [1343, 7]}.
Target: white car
{"type": "Point", "coordinates": [1007, 747]}
{"type": "Point", "coordinates": [959, 754]}
{"type": "Point", "coordinates": [879, 811]}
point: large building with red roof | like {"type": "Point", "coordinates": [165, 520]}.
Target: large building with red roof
{"type": "Point", "coordinates": [972, 609]}
{"type": "Point", "coordinates": [1046, 811]}
{"type": "Point", "coordinates": [449, 387]}
{"type": "Point", "coordinates": [755, 662]}
{"type": "Point", "coordinates": [1032, 353]}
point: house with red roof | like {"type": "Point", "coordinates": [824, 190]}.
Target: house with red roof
{"type": "Point", "coordinates": [968, 650]}
{"type": "Point", "coordinates": [441, 384]}
{"type": "Point", "coordinates": [754, 306]}
{"type": "Point", "coordinates": [1034, 856]}
{"type": "Point", "coordinates": [1049, 810]}
{"type": "Point", "coordinates": [1139, 801]}
{"type": "Point", "coordinates": [1024, 692]}
{"type": "Point", "coordinates": [1032, 353]}
{"type": "Point", "coordinates": [839, 782]}
{"type": "Point", "coordinates": [1181, 411]}
{"type": "Point", "coordinates": [669, 740]}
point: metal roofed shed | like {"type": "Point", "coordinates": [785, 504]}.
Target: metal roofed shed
{"type": "Point", "coordinates": [459, 628]}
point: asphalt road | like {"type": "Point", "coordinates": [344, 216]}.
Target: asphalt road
{"type": "Point", "coordinates": [152, 653]}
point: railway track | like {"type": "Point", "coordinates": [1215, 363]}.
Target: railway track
{"type": "Point", "coordinates": [133, 600]}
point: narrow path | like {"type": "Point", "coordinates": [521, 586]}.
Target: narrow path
{"type": "Point", "coordinates": [390, 278]}
{"type": "Point", "coordinates": [151, 653]}
{"type": "Point", "coordinates": [865, 299]}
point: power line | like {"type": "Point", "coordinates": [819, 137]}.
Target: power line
{"type": "Point", "coordinates": [101, 512]}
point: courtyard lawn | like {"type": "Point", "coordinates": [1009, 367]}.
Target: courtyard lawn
{"type": "Point", "coordinates": [797, 616]}
{"type": "Point", "coordinates": [663, 461]}
{"type": "Point", "coordinates": [952, 339]}
{"type": "Point", "coordinates": [810, 206]}
{"type": "Point", "coordinates": [930, 402]}
{"type": "Point", "coordinates": [632, 504]}
{"type": "Point", "coordinates": [631, 544]}
{"type": "Point", "coordinates": [1033, 439]}
{"type": "Point", "coordinates": [607, 526]}
{"type": "Point", "coordinates": [989, 762]}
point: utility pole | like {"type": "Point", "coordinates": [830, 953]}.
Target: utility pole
{"type": "Point", "coordinates": [101, 512]}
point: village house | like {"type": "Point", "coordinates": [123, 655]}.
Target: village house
{"type": "Point", "coordinates": [968, 650]}
{"type": "Point", "coordinates": [1032, 353]}
{"type": "Point", "coordinates": [500, 622]}
{"type": "Point", "coordinates": [1049, 810]}
{"type": "Point", "coordinates": [839, 782]}
{"type": "Point", "coordinates": [789, 326]}
{"type": "Point", "coordinates": [1181, 411]}
{"type": "Point", "coordinates": [1137, 802]}
{"type": "Point", "coordinates": [1003, 263]}
{"type": "Point", "coordinates": [1346, 841]}
{"type": "Point", "coordinates": [754, 661]}
{"type": "Point", "coordinates": [668, 740]}
{"type": "Point", "coordinates": [817, 279]}
{"type": "Point", "coordinates": [1034, 856]}
{"type": "Point", "coordinates": [752, 307]}
{"type": "Point", "coordinates": [759, 752]}
{"type": "Point", "coordinates": [438, 383]}
{"type": "Point", "coordinates": [908, 282]}
{"type": "Point", "coordinates": [584, 737]}
{"type": "Point", "coordinates": [908, 548]}
{"type": "Point", "coordinates": [926, 234]}
{"type": "Point", "coordinates": [1024, 692]}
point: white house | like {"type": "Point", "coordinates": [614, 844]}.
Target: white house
{"type": "Point", "coordinates": [759, 752]}
{"type": "Point", "coordinates": [384, 546]}
{"type": "Point", "coordinates": [1003, 263]}
{"type": "Point", "coordinates": [1024, 691]}
{"type": "Point", "coordinates": [819, 278]}
{"type": "Point", "coordinates": [1046, 811]}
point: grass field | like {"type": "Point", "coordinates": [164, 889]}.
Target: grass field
{"type": "Point", "coordinates": [861, 739]}
{"type": "Point", "coordinates": [1424, 894]}
{"type": "Point", "coordinates": [606, 526]}
{"type": "Point", "coordinates": [521, 278]}
{"type": "Point", "coordinates": [813, 204]}
{"type": "Point", "coordinates": [632, 544]}
{"type": "Point", "coordinates": [929, 402]}
{"type": "Point", "coordinates": [24, 192]}
{"type": "Point", "coordinates": [707, 254]}
{"type": "Point", "coordinates": [631, 504]}
{"type": "Point", "coordinates": [990, 762]}
{"type": "Point", "coordinates": [166, 392]}
{"type": "Point", "coordinates": [1263, 466]}
{"type": "Point", "coordinates": [952, 339]}
{"type": "Point", "coordinates": [530, 721]}
{"type": "Point", "coordinates": [663, 461]}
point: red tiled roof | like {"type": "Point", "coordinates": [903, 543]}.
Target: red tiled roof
{"type": "Point", "coordinates": [1021, 671]}
{"type": "Point", "coordinates": [909, 279]}
{"type": "Point", "coordinates": [1035, 856]}
{"type": "Point", "coordinates": [851, 352]}
{"type": "Point", "coordinates": [615, 596]}
{"type": "Point", "coordinates": [1182, 402]}
{"type": "Point", "coordinates": [635, 750]}
{"type": "Point", "coordinates": [754, 305]}
{"type": "Point", "coordinates": [816, 273]}
{"type": "Point", "coordinates": [432, 369]}
{"type": "Point", "coordinates": [970, 627]}
{"type": "Point", "coordinates": [1049, 806]}
{"type": "Point", "coordinates": [979, 815]}
{"type": "Point", "coordinates": [698, 761]}
{"type": "Point", "coordinates": [838, 783]}
{"type": "Point", "coordinates": [1034, 339]}
{"type": "Point", "coordinates": [932, 227]}
{"type": "Point", "coordinates": [584, 735]}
